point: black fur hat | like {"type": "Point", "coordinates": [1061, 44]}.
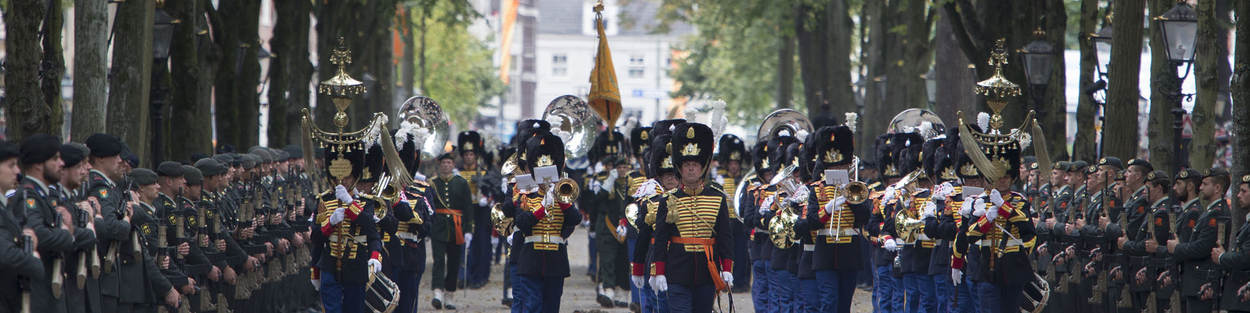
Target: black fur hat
{"type": "Point", "coordinates": [470, 141]}
{"type": "Point", "coordinates": [732, 149]}
{"type": "Point", "coordinates": [693, 142]}
{"type": "Point", "coordinates": [661, 158]}
{"type": "Point", "coordinates": [544, 150]}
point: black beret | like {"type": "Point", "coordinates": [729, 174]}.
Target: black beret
{"type": "Point", "coordinates": [169, 169]}
{"type": "Point", "coordinates": [1078, 165]}
{"type": "Point", "coordinates": [105, 145]}
{"type": "Point", "coordinates": [293, 151]}
{"type": "Point", "coordinates": [39, 148]}
{"type": "Point", "coordinates": [1218, 171]}
{"type": "Point", "coordinates": [193, 175]}
{"type": "Point", "coordinates": [1062, 166]}
{"type": "Point", "coordinates": [1245, 179]}
{"type": "Point", "coordinates": [131, 159]}
{"type": "Point", "coordinates": [210, 167]}
{"type": "Point", "coordinates": [222, 159]}
{"type": "Point", "coordinates": [73, 153]}
{"type": "Point", "coordinates": [8, 150]}
{"type": "Point", "coordinates": [1188, 173]}
{"type": "Point", "coordinates": [248, 160]}
{"type": "Point", "coordinates": [142, 176]}
{"type": "Point", "coordinates": [1113, 162]}
{"type": "Point", "coordinates": [1158, 177]}
{"type": "Point", "coordinates": [1142, 163]}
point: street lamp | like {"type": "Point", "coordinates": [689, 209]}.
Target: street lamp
{"type": "Point", "coordinates": [1180, 29]}
{"type": "Point", "coordinates": [1102, 48]}
{"type": "Point", "coordinates": [1037, 57]}
{"type": "Point", "coordinates": [162, 34]}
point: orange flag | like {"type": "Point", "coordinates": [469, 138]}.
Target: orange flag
{"type": "Point", "coordinates": [605, 96]}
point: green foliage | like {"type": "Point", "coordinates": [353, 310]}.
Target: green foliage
{"type": "Point", "coordinates": [459, 70]}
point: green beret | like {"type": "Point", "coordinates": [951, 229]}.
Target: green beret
{"type": "Point", "coordinates": [210, 167]}
{"type": "Point", "coordinates": [169, 169]}
{"type": "Point", "coordinates": [193, 175]}
{"type": "Point", "coordinates": [143, 176]}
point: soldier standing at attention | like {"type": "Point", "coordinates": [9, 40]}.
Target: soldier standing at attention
{"type": "Point", "coordinates": [1237, 259]}
{"type": "Point", "coordinates": [452, 228]}
{"type": "Point", "coordinates": [20, 267]}
{"type": "Point", "coordinates": [1199, 282]}
{"type": "Point", "coordinates": [35, 207]}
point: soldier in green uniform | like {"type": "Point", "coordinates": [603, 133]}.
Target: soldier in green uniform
{"type": "Point", "coordinates": [1200, 275]}
{"type": "Point", "coordinates": [451, 229]}
{"type": "Point", "coordinates": [142, 264]}
{"type": "Point", "coordinates": [21, 261]}
{"type": "Point", "coordinates": [608, 185]}
{"type": "Point", "coordinates": [82, 288]}
{"type": "Point", "coordinates": [35, 207]}
{"type": "Point", "coordinates": [1237, 258]}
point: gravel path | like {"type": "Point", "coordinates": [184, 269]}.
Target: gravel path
{"type": "Point", "coordinates": [579, 291]}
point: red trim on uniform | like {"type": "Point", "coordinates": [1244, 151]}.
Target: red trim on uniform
{"type": "Point", "coordinates": [327, 229]}
{"type": "Point", "coordinates": [565, 206]}
{"type": "Point", "coordinates": [349, 214]}
{"type": "Point", "coordinates": [621, 222]}
{"type": "Point", "coordinates": [957, 263]}
{"type": "Point", "coordinates": [826, 219]}
{"type": "Point", "coordinates": [376, 255]}
{"type": "Point", "coordinates": [636, 269]}
{"type": "Point", "coordinates": [540, 213]}
{"type": "Point", "coordinates": [659, 268]}
{"type": "Point", "coordinates": [726, 265]}
{"type": "Point", "coordinates": [316, 273]}
{"type": "Point", "coordinates": [985, 225]}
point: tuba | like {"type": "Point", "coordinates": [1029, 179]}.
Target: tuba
{"type": "Point", "coordinates": [382, 295]}
{"type": "Point", "coordinates": [503, 223]}
{"type": "Point", "coordinates": [425, 120]}
{"type": "Point", "coordinates": [781, 226]}
{"type": "Point", "coordinates": [574, 122]}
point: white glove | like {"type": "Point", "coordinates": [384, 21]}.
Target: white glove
{"type": "Point", "coordinates": [660, 284]}
{"type": "Point", "coordinates": [978, 207]}
{"type": "Point", "coordinates": [375, 266]}
{"type": "Point", "coordinates": [340, 192]}
{"type": "Point", "coordinates": [728, 278]}
{"type": "Point", "coordinates": [337, 217]}
{"type": "Point", "coordinates": [835, 205]}
{"type": "Point", "coordinates": [621, 230]}
{"type": "Point", "coordinates": [991, 214]}
{"type": "Point", "coordinates": [637, 280]}
{"type": "Point", "coordinates": [607, 185]}
{"type": "Point", "coordinates": [494, 241]}
{"type": "Point", "coordinates": [930, 210]}
{"type": "Point", "coordinates": [646, 189]}
{"type": "Point", "coordinates": [768, 203]}
{"type": "Point", "coordinates": [720, 180]}
{"type": "Point", "coordinates": [421, 177]}
{"type": "Point", "coordinates": [944, 190]}
{"type": "Point", "coordinates": [468, 239]}
{"type": "Point", "coordinates": [891, 245]}
{"type": "Point", "coordinates": [594, 186]}
{"type": "Point", "coordinates": [800, 196]}
{"type": "Point", "coordinates": [482, 201]}
{"type": "Point", "coordinates": [598, 167]}
{"type": "Point", "coordinates": [550, 199]}
{"type": "Point", "coordinates": [586, 223]}
{"type": "Point", "coordinates": [316, 284]}
{"type": "Point", "coordinates": [509, 239]}
{"type": "Point", "coordinates": [996, 198]}
{"type": "Point", "coordinates": [966, 208]}
{"type": "Point", "coordinates": [890, 194]}
{"type": "Point", "coordinates": [957, 276]}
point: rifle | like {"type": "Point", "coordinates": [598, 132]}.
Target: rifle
{"type": "Point", "coordinates": [1100, 283]}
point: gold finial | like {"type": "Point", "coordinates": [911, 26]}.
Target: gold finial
{"type": "Point", "coordinates": [1039, 32]}
{"type": "Point", "coordinates": [598, 6]}
{"type": "Point", "coordinates": [341, 87]}
{"type": "Point", "coordinates": [997, 88]}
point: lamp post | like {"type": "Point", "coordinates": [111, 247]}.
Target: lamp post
{"type": "Point", "coordinates": [930, 87]}
{"type": "Point", "coordinates": [162, 35]}
{"type": "Point", "coordinates": [1037, 56]}
{"type": "Point", "coordinates": [1179, 27]}
{"type": "Point", "coordinates": [1102, 48]}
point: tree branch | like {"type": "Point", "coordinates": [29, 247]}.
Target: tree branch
{"type": "Point", "coordinates": [966, 43]}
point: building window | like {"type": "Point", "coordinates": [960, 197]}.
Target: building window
{"type": "Point", "coordinates": [637, 60]}
{"type": "Point", "coordinates": [637, 66]}
{"type": "Point", "coordinates": [559, 65]}
{"type": "Point", "coordinates": [636, 72]}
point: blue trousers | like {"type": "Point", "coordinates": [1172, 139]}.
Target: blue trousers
{"type": "Point", "coordinates": [477, 257]}
{"type": "Point", "coordinates": [835, 290]}
{"type": "Point", "coordinates": [809, 295]}
{"type": "Point", "coordinates": [886, 292]}
{"type": "Point", "coordinates": [967, 300]}
{"type": "Point", "coordinates": [919, 288]}
{"type": "Point", "coordinates": [408, 280]}
{"type": "Point", "coordinates": [532, 294]}
{"type": "Point", "coordinates": [999, 298]}
{"type": "Point", "coordinates": [782, 288]}
{"type": "Point", "coordinates": [944, 291]}
{"type": "Point", "coordinates": [691, 299]}
{"type": "Point", "coordinates": [759, 289]}
{"type": "Point", "coordinates": [591, 269]}
{"type": "Point", "coordinates": [635, 294]}
{"type": "Point", "coordinates": [338, 297]}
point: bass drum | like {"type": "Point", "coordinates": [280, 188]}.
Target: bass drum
{"type": "Point", "coordinates": [1036, 295]}
{"type": "Point", "coordinates": [381, 294]}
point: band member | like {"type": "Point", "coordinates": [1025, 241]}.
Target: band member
{"type": "Point", "coordinates": [525, 130]}
{"type": "Point", "coordinates": [452, 228]}
{"type": "Point", "coordinates": [608, 187]}
{"type": "Point", "coordinates": [639, 142]}
{"type": "Point", "coordinates": [348, 241]}
{"type": "Point", "coordinates": [887, 292]}
{"type": "Point", "coordinates": [652, 193]}
{"type": "Point", "coordinates": [836, 216]}
{"type": "Point", "coordinates": [545, 218]}
{"type": "Point", "coordinates": [1236, 260]}
{"type": "Point", "coordinates": [474, 171]}
{"type": "Point", "coordinates": [783, 278]}
{"type": "Point", "coordinates": [692, 228]}
{"type": "Point", "coordinates": [1001, 231]}
{"type": "Point", "coordinates": [732, 160]}
{"type": "Point", "coordinates": [411, 232]}
{"type": "Point", "coordinates": [1200, 280]}
{"type": "Point", "coordinates": [759, 246]}
{"type": "Point", "coordinates": [952, 226]}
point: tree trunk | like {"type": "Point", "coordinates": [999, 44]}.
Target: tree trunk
{"type": "Point", "coordinates": [408, 66]}
{"type": "Point", "coordinates": [874, 115]}
{"type": "Point", "coordinates": [1240, 89]}
{"type": "Point", "coordinates": [53, 68]}
{"type": "Point", "coordinates": [235, 25]}
{"type": "Point", "coordinates": [290, 71]}
{"type": "Point", "coordinates": [954, 80]}
{"type": "Point", "coordinates": [247, 87]}
{"type": "Point", "coordinates": [1122, 137]}
{"type": "Point", "coordinates": [1212, 60]}
{"type": "Point", "coordinates": [26, 110]}
{"type": "Point", "coordinates": [1053, 113]}
{"type": "Point", "coordinates": [907, 58]}
{"type": "Point", "coordinates": [90, 68]}
{"type": "Point", "coordinates": [209, 61]}
{"type": "Point", "coordinates": [785, 70]}
{"type": "Point", "coordinates": [1085, 146]}
{"type": "Point", "coordinates": [189, 133]}
{"type": "Point", "coordinates": [363, 25]}
{"type": "Point", "coordinates": [838, 36]}
{"type": "Point", "coordinates": [1163, 88]}
{"type": "Point", "coordinates": [130, 82]}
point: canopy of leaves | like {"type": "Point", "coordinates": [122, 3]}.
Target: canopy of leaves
{"type": "Point", "coordinates": [460, 73]}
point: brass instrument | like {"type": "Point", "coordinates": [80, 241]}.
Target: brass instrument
{"type": "Point", "coordinates": [742, 189]}
{"type": "Point", "coordinates": [781, 226]}
{"type": "Point", "coordinates": [631, 214]}
{"type": "Point", "coordinates": [502, 223]}
{"type": "Point", "coordinates": [423, 119]}
{"type": "Point", "coordinates": [566, 190]}
{"type": "Point", "coordinates": [574, 122]}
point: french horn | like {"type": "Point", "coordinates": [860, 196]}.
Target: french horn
{"type": "Point", "coordinates": [501, 221]}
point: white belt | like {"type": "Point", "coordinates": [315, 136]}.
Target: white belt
{"type": "Point", "coordinates": [760, 230]}
{"type": "Point", "coordinates": [924, 237]}
{"type": "Point", "coordinates": [407, 236]}
{"type": "Point", "coordinates": [987, 243]}
{"type": "Point", "coordinates": [809, 247]}
{"type": "Point", "coordinates": [358, 239]}
{"type": "Point", "coordinates": [842, 232]}
{"type": "Point", "coordinates": [544, 239]}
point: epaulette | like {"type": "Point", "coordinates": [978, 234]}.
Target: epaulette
{"type": "Point", "coordinates": [874, 185]}
{"type": "Point", "coordinates": [718, 188]}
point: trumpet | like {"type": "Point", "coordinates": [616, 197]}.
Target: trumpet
{"type": "Point", "coordinates": [567, 190]}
